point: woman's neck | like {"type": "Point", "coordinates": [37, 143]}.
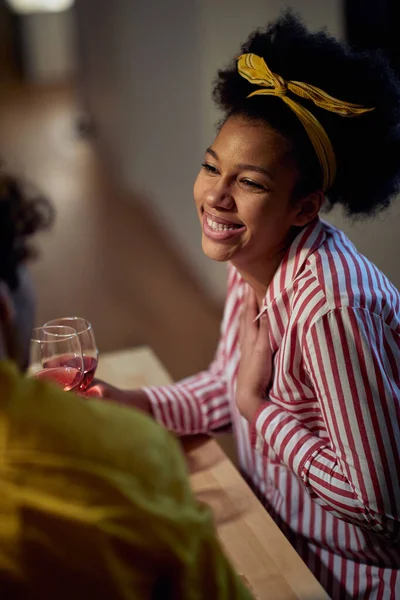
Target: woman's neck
{"type": "Point", "coordinates": [260, 274]}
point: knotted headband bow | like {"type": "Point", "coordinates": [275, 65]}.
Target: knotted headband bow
{"type": "Point", "coordinates": [254, 69]}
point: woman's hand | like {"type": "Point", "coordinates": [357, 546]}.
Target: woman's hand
{"type": "Point", "coordinates": [255, 369]}
{"type": "Point", "coordinates": [133, 398]}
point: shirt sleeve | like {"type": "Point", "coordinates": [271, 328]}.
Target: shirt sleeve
{"type": "Point", "coordinates": [352, 359]}
{"type": "Point", "coordinates": [200, 404]}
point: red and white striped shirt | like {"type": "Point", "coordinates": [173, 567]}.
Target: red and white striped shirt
{"type": "Point", "coordinates": [324, 451]}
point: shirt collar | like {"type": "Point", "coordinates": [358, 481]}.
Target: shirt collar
{"type": "Point", "coordinates": [304, 244]}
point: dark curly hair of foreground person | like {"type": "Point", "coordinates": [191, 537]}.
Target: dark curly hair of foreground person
{"type": "Point", "coordinates": [367, 147]}
{"type": "Point", "coordinates": [22, 214]}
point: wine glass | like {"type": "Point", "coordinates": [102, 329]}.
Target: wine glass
{"type": "Point", "coordinates": [90, 353]}
{"type": "Point", "coordinates": [56, 356]}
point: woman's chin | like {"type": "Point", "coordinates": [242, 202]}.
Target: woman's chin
{"type": "Point", "coordinates": [217, 251]}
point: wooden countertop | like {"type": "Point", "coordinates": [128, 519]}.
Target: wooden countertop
{"type": "Point", "coordinates": [261, 554]}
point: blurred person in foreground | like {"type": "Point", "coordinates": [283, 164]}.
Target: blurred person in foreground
{"type": "Point", "coordinates": [309, 376]}
{"type": "Point", "coordinates": [94, 498]}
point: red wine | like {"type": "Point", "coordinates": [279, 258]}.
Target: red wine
{"type": "Point", "coordinates": [67, 378]}
{"type": "Point", "coordinates": [89, 367]}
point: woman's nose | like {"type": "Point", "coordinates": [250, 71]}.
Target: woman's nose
{"type": "Point", "coordinates": [219, 196]}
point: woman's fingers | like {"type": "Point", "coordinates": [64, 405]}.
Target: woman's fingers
{"type": "Point", "coordinates": [95, 391]}
{"type": "Point", "coordinates": [263, 344]}
{"type": "Point", "coordinates": [249, 326]}
{"type": "Point", "coordinates": [252, 308]}
{"type": "Point", "coordinates": [252, 323]}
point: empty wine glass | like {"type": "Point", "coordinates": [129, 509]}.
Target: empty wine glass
{"type": "Point", "coordinates": [56, 356]}
{"type": "Point", "coordinates": [90, 353]}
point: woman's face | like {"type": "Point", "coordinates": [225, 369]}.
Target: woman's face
{"type": "Point", "coordinates": [244, 192]}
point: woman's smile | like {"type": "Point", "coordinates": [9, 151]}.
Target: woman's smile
{"type": "Point", "coordinates": [243, 194]}
{"type": "Point", "coordinates": [220, 229]}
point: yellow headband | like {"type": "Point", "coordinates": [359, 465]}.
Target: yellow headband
{"type": "Point", "coordinates": [254, 69]}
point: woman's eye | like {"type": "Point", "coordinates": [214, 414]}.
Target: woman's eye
{"type": "Point", "coordinates": [253, 184]}
{"type": "Point", "coordinates": [210, 169]}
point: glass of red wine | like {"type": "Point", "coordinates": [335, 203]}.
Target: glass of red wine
{"type": "Point", "coordinates": [56, 356]}
{"type": "Point", "coordinates": [90, 353]}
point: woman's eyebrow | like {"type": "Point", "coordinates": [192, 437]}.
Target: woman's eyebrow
{"type": "Point", "coordinates": [246, 167]}
{"type": "Point", "coordinates": [243, 166]}
{"type": "Point", "coordinates": [212, 152]}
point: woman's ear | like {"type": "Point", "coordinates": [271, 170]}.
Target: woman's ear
{"type": "Point", "coordinates": [308, 208]}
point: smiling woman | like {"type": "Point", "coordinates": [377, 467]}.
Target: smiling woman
{"type": "Point", "coordinates": [307, 368]}
{"type": "Point", "coordinates": [247, 183]}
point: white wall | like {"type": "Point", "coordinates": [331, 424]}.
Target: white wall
{"type": "Point", "coordinates": [48, 46]}
{"type": "Point", "coordinates": [147, 69]}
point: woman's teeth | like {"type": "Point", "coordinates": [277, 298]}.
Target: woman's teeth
{"type": "Point", "coordinates": [218, 226]}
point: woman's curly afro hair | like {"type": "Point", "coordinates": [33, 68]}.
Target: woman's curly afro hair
{"type": "Point", "coordinates": [367, 147]}
{"type": "Point", "coordinates": [22, 214]}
